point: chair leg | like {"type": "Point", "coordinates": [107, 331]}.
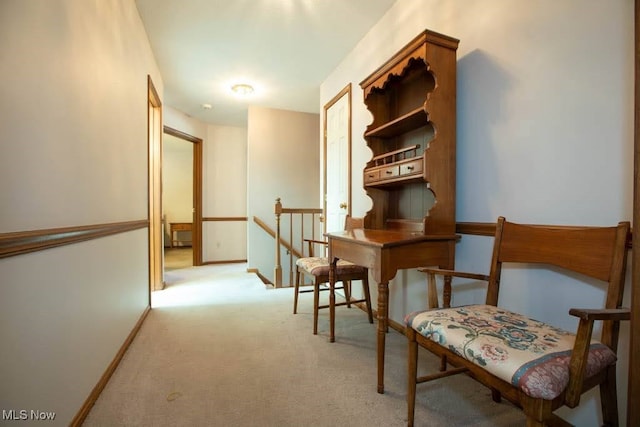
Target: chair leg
{"type": "Point", "coordinates": [332, 312]}
{"type": "Point", "coordinates": [367, 297]}
{"type": "Point", "coordinates": [532, 422]}
{"type": "Point", "coordinates": [496, 396]}
{"type": "Point", "coordinates": [346, 285]}
{"type": "Point", "coordinates": [295, 293]}
{"type": "Point", "coordinates": [316, 303]}
{"type": "Point", "coordinates": [539, 412]}
{"type": "Point", "coordinates": [609, 398]}
{"type": "Point", "coordinates": [412, 373]}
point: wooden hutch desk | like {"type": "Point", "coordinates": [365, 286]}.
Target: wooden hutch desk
{"type": "Point", "coordinates": [411, 176]}
{"type": "Point", "coordinates": [385, 252]}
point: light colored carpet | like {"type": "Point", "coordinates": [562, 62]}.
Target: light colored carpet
{"type": "Point", "coordinates": [220, 349]}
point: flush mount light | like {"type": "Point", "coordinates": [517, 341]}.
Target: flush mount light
{"type": "Point", "coordinates": [206, 106]}
{"type": "Point", "coordinates": [242, 89]}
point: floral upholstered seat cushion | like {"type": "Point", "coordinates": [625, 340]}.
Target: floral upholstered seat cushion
{"type": "Point", "coordinates": [318, 266]}
{"type": "Point", "coordinates": [529, 354]}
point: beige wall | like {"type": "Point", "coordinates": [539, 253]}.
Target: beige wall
{"type": "Point", "coordinates": [283, 162]}
{"type": "Point", "coordinates": [545, 134]}
{"type": "Point", "coordinates": [226, 177]}
{"type": "Point", "coordinates": [73, 85]}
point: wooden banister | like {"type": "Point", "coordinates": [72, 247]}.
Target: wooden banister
{"type": "Point", "coordinates": [271, 232]}
{"type": "Point", "coordinates": [307, 225]}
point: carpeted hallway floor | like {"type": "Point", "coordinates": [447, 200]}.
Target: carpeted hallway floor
{"type": "Point", "coordinates": [220, 349]}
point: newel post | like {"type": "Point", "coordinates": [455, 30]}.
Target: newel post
{"type": "Point", "coordinates": [277, 272]}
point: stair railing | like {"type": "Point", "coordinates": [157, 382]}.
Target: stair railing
{"type": "Point", "coordinates": [298, 224]}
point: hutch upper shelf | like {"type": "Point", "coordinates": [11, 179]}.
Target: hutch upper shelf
{"type": "Point", "coordinates": [411, 176]}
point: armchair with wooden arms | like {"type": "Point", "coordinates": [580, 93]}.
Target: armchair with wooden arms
{"type": "Point", "coordinates": [535, 365]}
{"type": "Point", "coordinates": [317, 268]}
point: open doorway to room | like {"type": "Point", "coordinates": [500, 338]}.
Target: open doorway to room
{"type": "Point", "coordinates": [181, 199]}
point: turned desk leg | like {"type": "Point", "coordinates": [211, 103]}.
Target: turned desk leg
{"type": "Point", "coordinates": [383, 313]}
{"type": "Point", "coordinates": [332, 300]}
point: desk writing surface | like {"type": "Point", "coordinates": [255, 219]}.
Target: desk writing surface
{"type": "Point", "coordinates": [388, 238]}
{"type": "Point", "coordinates": [386, 251]}
{"type": "Point", "coordinates": [181, 226]}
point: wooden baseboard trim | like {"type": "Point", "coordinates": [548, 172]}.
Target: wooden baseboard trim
{"type": "Point", "coordinates": [22, 242]}
{"type": "Point", "coordinates": [95, 393]}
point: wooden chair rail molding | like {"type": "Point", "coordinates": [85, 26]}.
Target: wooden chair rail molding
{"type": "Point", "coordinates": [22, 242]}
{"type": "Point", "coordinates": [476, 228]}
{"type": "Point", "coordinates": [223, 218]}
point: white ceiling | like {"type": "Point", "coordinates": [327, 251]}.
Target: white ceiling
{"type": "Point", "coordinates": [285, 48]}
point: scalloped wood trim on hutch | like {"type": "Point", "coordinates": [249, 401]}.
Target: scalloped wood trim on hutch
{"type": "Point", "coordinates": [411, 177]}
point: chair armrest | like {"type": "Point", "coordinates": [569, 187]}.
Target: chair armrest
{"type": "Point", "coordinates": [311, 242]}
{"type": "Point", "coordinates": [601, 314]}
{"type": "Point", "coordinates": [453, 273]}
{"type": "Point", "coordinates": [580, 352]}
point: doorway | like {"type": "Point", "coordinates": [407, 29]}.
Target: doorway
{"type": "Point", "coordinates": [181, 199]}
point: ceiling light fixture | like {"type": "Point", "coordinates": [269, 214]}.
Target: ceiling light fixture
{"type": "Point", "coordinates": [242, 89]}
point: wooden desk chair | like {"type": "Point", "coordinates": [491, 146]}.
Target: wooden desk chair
{"type": "Point", "coordinates": [535, 365]}
{"type": "Point", "coordinates": [317, 268]}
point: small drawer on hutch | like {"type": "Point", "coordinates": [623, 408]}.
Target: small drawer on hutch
{"type": "Point", "coordinates": [389, 172]}
{"type": "Point", "coordinates": [411, 167]}
{"type": "Point", "coordinates": [371, 175]}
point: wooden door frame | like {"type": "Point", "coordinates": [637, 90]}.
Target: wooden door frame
{"type": "Point", "coordinates": [154, 187]}
{"type": "Point", "coordinates": [346, 90]}
{"type": "Point", "coordinates": [196, 230]}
